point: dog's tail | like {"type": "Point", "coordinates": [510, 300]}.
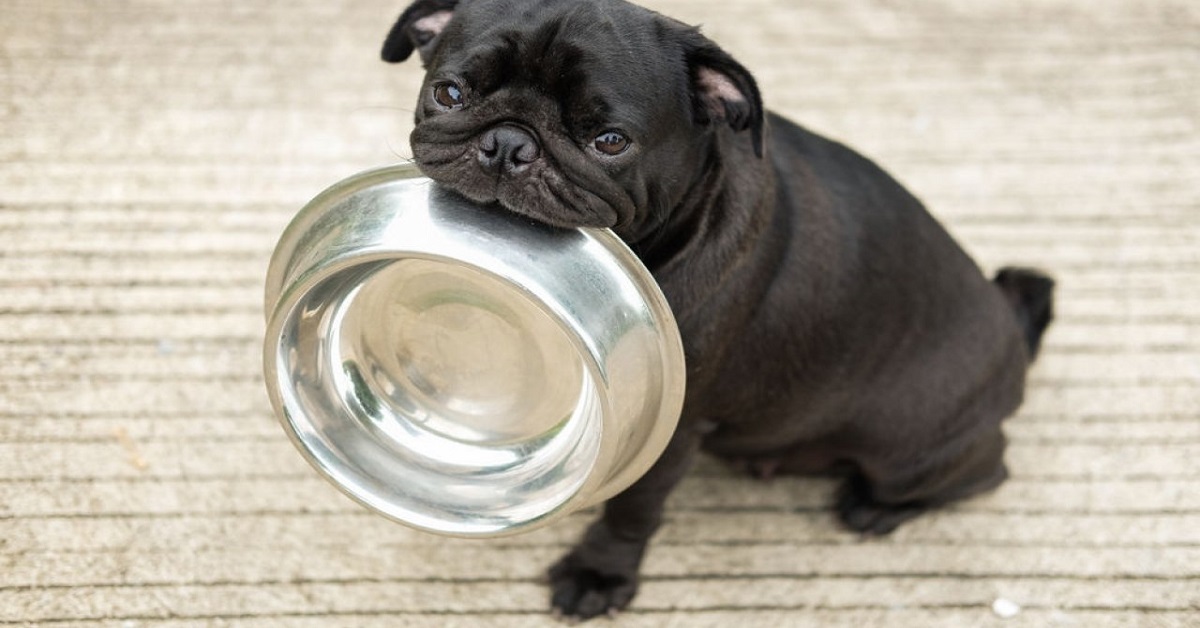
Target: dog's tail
{"type": "Point", "coordinates": [1031, 294]}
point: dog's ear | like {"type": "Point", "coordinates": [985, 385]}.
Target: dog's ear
{"type": "Point", "coordinates": [722, 90]}
{"type": "Point", "coordinates": [417, 29]}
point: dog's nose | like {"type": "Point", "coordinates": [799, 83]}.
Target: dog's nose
{"type": "Point", "coordinates": [508, 148]}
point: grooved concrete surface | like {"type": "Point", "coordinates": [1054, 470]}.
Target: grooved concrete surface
{"type": "Point", "coordinates": [151, 151]}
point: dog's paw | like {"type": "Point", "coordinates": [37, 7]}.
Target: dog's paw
{"type": "Point", "coordinates": [578, 592]}
{"type": "Point", "coordinates": [860, 512]}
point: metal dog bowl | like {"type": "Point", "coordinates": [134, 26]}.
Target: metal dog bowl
{"type": "Point", "coordinates": [460, 369]}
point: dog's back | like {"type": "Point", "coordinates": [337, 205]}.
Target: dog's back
{"type": "Point", "coordinates": [897, 356]}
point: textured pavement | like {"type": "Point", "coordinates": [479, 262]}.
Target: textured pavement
{"type": "Point", "coordinates": [152, 151]}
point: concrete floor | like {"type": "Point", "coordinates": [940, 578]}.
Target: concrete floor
{"type": "Point", "coordinates": [151, 151]}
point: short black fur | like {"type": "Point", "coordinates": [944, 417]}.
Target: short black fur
{"type": "Point", "coordinates": [829, 321]}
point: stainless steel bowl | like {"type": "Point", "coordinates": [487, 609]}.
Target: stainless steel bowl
{"type": "Point", "coordinates": [460, 369]}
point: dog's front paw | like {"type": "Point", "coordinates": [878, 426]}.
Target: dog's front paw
{"type": "Point", "coordinates": [578, 591]}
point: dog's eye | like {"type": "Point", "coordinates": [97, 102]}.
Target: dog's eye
{"type": "Point", "coordinates": [611, 143]}
{"type": "Point", "coordinates": [448, 95]}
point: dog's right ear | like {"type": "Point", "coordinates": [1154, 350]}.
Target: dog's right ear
{"type": "Point", "coordinates": [723, 91]}
{"type": "Point", "coordinates": [418, 29]}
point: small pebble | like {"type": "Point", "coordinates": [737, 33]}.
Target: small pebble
{"type": "Point", "coordinates": [1005, 609]}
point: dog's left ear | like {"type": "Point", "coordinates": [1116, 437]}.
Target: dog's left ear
{"type": "Point", "coordinates": [417, 29]}
{"type": "Point", "coordinates": [723, 90]}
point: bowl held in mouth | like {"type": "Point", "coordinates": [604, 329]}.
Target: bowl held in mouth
{"type": "Point", "coordinates": [461, 369]}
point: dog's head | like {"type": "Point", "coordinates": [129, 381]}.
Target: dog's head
{"type": "Point", "coordinates": [572, 112]}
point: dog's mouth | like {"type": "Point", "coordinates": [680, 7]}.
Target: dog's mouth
{"type": "Point", "coordinates": [528, 179]}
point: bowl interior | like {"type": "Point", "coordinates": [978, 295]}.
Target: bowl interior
{"type": "Point", "coordinates": [440, 394]}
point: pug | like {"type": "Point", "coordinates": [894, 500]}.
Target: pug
{"type": "Point", "coordinates": [829, 322]}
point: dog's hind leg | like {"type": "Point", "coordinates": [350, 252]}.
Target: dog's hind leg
{"type": "Point", "coordinates": [877, 498]}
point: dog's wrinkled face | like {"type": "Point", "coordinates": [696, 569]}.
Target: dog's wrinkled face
{"type": "Point", "coordinates": [571, 112]}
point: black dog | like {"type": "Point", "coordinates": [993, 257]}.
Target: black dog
{"type": "Point", "coordinates": [829, 321]}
